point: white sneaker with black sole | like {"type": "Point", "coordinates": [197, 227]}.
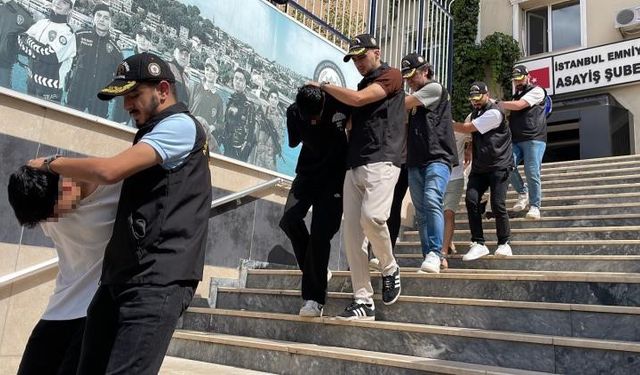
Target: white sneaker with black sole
{"type": "Point", "coordinates": [311, 309]}
{"type": "Point", "coordinates": [358, 311]}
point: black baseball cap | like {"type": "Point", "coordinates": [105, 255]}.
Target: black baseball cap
{"type": "Point", "coordinates": [359, 45]}
{"type": "Point", "coordinates": [411, 63]}
{"type": "Point", "coordinates": [142, 67]}
{"type": "Point", "coordinates": [519, 72]}
{"type": "Point", "coordinates": [184, 45]}
{"type": "Point", "coordinates": [477, 89]}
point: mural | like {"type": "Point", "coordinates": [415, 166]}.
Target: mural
{"type": "Point", "coordinates": [238, 64]}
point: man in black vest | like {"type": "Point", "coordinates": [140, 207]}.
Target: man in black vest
{"type": "Point", "coordinates": [490, 168]}
{"type": "Point", "coordinates": [431, 153]}
{"type": "Point", "coordinates": [374, 156]}
{"type": "Point", "coordinates": [528, 124]}
{"type": "Point", "coordinates": [155, 257]}
{"type": "Point", "coordinates": [317, 121]}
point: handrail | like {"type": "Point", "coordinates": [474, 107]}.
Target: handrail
{"type": "Point", "coordinates": [27, 272]}
{"type": "Point", "coordinates": [52, 263]}
{"type": "Point", "coordinates": [243, 193]}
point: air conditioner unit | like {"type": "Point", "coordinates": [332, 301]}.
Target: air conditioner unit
{"type": "Point", "coordinates": [628, 21]}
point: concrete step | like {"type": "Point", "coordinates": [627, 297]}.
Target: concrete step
{"type": "Point", "coordinates": [608, 164]}
{"type": "Point", "coordinates": [181, 366]}
{"type": "Point", "coordinates": [607, 198]}
{"type": "Point", "coordinates": [593, 181]}
{"type": "Point", "coordinates": [547, 247]}
{"type": "Point", "coordinates": [293, 358]}
{"type": "Point", "coordinates": [602, 322]}
{"type": "Point", "coordinates": [585, 190]}
{"type": "Point", "coordinates": [560, 221]}
{"type": "Point", "coordinates": [583, 174]}
{"type": "Point", "coordinates": [577, 263]}
{"type": "Point", "coordinates": [629, 232]}
{"type": "Point", "coordinates": [575, 210]}
{"type": "Point", "coordinates": [491, 348]}
{"type": "Point", "coordinates": [574, 164]}
{"type": "Point", "coordinates": [593, 288]}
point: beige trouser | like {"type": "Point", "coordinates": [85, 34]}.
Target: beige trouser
{"type": "Point", "coordinates": [368, 193]}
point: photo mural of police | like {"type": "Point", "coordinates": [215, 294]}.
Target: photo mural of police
{"type": "Point", "coordinates": [14, 20]}
{"type": "Point", "coordinates": [51, 45]}
{"type": "Point", "coordinates": [92, 67]}
{"type": "Point", "coordinates": [238, 138]}
{"type": "Point", "coordinates": [268, 129]}
{"type": "Point", "coordinates": [206, 103]}
{"type": "Point", "coordinates": [180, 68]}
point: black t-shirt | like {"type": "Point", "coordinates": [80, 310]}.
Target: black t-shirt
{"type": "Point", "coordinates": [324, 144]}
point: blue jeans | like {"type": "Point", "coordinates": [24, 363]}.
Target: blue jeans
{"type": "Point", "coordinates": [427, 186]}
{"type": "Point", "coordinates": [531, 152]}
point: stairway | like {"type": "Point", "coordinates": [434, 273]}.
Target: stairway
{"type": "Point", "coordinates": [566, 302]}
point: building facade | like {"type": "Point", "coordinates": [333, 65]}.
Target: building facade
{"type": "Point", "coordinates": [586, 54]}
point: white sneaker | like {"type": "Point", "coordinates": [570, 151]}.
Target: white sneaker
{"type": "Point", "coordinates": [431, 263]}
{"type": "Point", "coordinates": [476, 251]}
{"type": "Point", "coordinates": [533, 214]}
{"type": "Point", "coordinates": [329, 275]}
{"type": "Point", "coordinates": [521, 202]}
{"type": "Point", "coordinates": [311, 309]}
{"type": "Point", "coordinates": [503, 250]}
{"type": "Point", "coordinates": [374, 264]}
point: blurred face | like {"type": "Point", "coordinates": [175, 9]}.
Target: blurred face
{"type": "Point", "coordinates": [69, 194]}
{"type": "Point", "coordinates": [273, 99]}
{"type": "Point", "coordinates": [210, 74]}
{"type": "Point", "coordinates": [142, 103]}
{"type": "Point", "coordinates": [519, 84]}
{"type": "Point", "coordinates": [102, 21]}
{"type": "Point", "coordinates": [479, 103]}
{"type": "Point", "coordinates": [62, 7]}
{"type": "Point", "coordinates": [239, 82]}
{"type": "Point", "coordinates": [367, 62]}
{"type": "Point", "coordinates": [143, 43]}
{"type": "Point", "coordinates": [182, 56]}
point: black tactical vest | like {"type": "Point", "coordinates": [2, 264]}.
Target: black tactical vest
{"type": "Point", "coordinates": [529, 124]}
{"type": "Point", "coordinates": [431, 137]}
{"type": "Point", "coordinates": [160, 232]}
{"type": "Point", "coordinates": [491, 150]}
{"type": "Point", "coordinates": [378, 132]}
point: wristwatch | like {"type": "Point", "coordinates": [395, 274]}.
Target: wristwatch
{"type": "Point", "coordinates": [323, 84]}
{"type": "Point", "coordinates": [47, 162]}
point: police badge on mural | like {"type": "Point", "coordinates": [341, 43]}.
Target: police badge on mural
{"type": "Point", "coordinates": [328, 71]}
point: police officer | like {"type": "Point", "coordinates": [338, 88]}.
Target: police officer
{"type": "Point", "coordinates": [14, 20]}
{"type": "Point", "coordinates": [93, 65]}
{"type": "Point", "coordinates": [528, 124]}
{"type": "Point", "coordinates": [490, 168]}
{"type": "Point", "coordinates": [180, 68]}
{"type": "Point", "coordinates": [431, 154]}
{"type": "Point", "coordinates": [51, 45]}
{"type": "Point", "coordinates": [205, 99]}
{"type": "Point", "coordinates": [239, 135]}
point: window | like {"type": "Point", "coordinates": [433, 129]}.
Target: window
{"type": "Point", "coordinates": [553, 27]}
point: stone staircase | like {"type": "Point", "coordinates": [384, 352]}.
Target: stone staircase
{"type": "Point", "coordinates": [566, 302]}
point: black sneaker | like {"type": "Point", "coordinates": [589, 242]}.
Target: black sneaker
{"type": "Point", "coordinates": [391, 287]}
{"type": "Point", "coordinates": [358, 311]}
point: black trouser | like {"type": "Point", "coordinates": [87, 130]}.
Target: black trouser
{"type": "Point", "coordinates": [498, 182]}
{"type": "Point", "coordinates": [53, 348]}
{"type": "Point", "coordinates": [129, 327]}
{"type": "Point", "coordinates": [396, 206]}
{"type": "Point", "coordinates": [312, 250]}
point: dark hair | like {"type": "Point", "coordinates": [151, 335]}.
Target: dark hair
{"type": "Point", "coordinates": [310, 100]}
{"type": "Point", "coordinates": [101, 7]}
{"type": "Point", "coordinates": [32, 194]}
{"type": "Point", "coordinates": [273, 90]}
{"type": "Point", "coordinates": [243, 72]}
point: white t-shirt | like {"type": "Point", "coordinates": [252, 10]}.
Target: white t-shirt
{"type": "Point", "coordinates": [80, 238]}
{"type": "Point", "coordinates": [487, 121]}
{"type": "Point", "coordinates": [458, 171]}
{"type": "Point", "coordinates": [534, 96]}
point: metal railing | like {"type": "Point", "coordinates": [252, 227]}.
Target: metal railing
{"type": "Point", "coordinates": [218, 206]}
{"type": "Point", "coordinates": [401, 27]}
